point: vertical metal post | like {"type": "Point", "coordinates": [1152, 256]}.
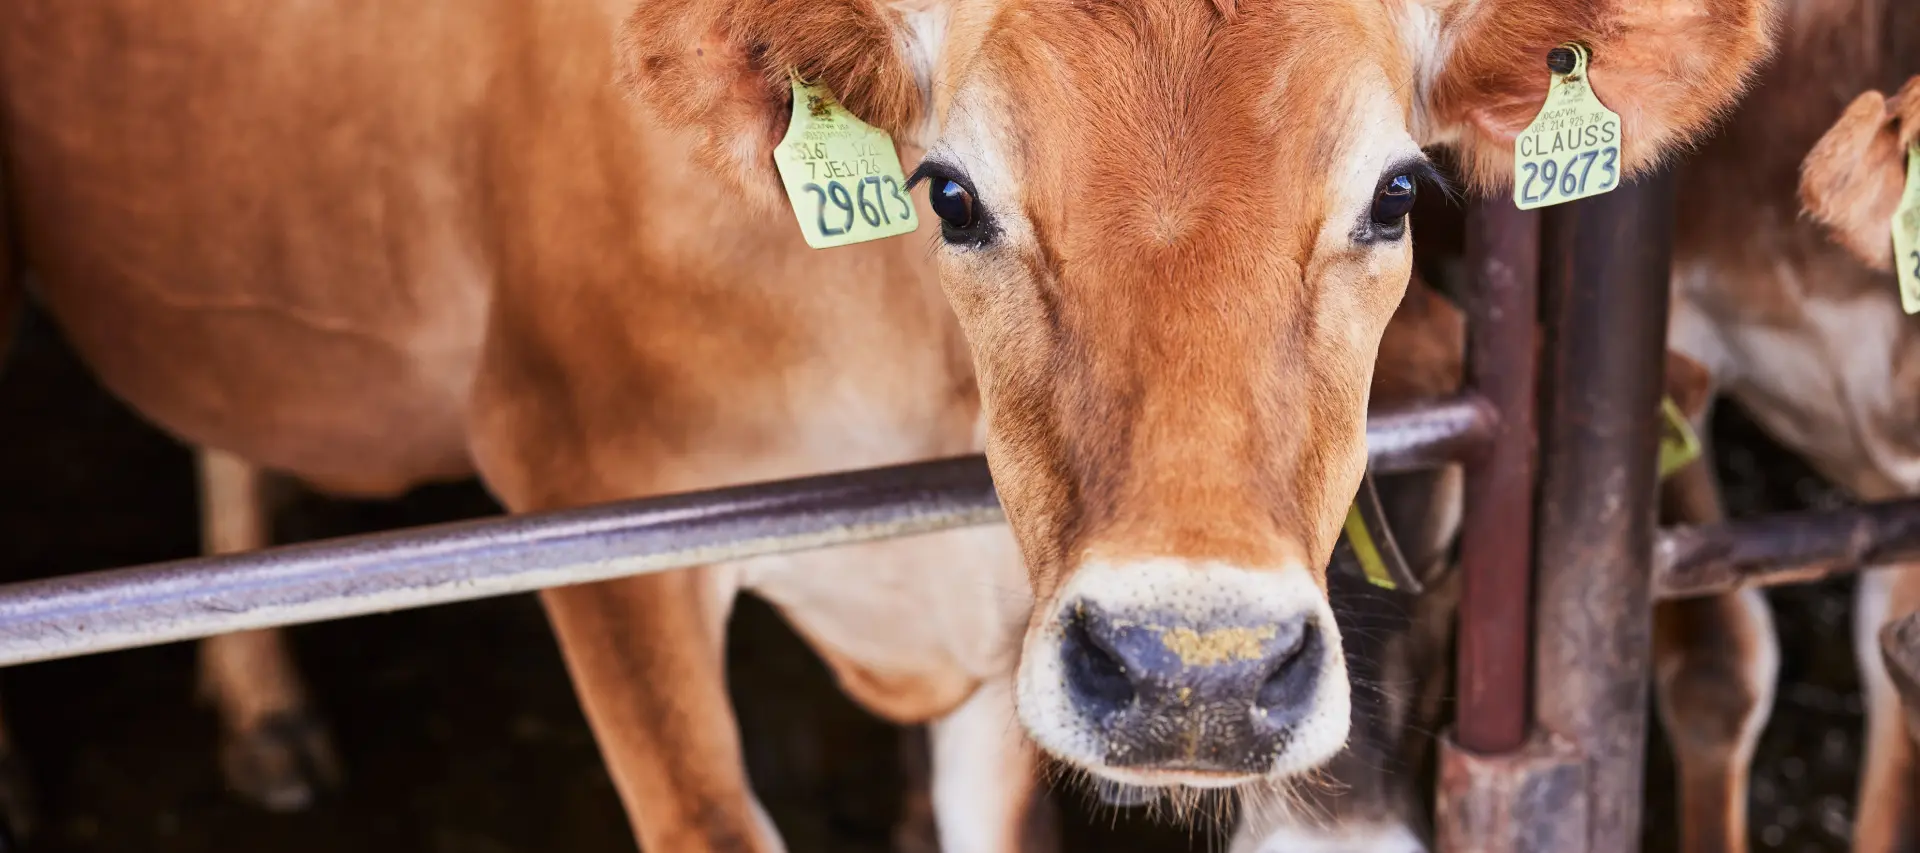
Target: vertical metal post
{"type": "Point", "coordinates": [1606, 283]}
{"type": "Point", "coordinates": [1496, 538]}
{"type": "Point", "coordinates": [1504, 788]}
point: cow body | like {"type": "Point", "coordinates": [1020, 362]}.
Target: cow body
{"type": "Point", "coordinates": [371, 245]}
{"type": "Point", "coordinates": [1814, 345]}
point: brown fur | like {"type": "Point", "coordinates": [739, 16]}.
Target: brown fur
{"type": "Point", "coordinates": [1689, 386]}
{"type": "Point", "coordinates": [1854, 177]}
{"type": "Point", "coordinates": [1651, 63]}
{"type": "Point", "coordinates": [721, 67]}
{"type": "Point", "coordinates": [1851, 184]}
{"type": "Point", "coordinates": [1811, 342]}
{"type": "Point", "coordinates": [1173, 355]}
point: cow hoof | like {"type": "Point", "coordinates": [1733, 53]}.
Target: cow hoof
{"type": "Point", "coordinates": [16, 802]}
{"type": "Point", "coordinates": [282, 763]}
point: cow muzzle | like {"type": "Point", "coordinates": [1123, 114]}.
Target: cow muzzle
{"type": "Point", "coordinates": [1165, 673]}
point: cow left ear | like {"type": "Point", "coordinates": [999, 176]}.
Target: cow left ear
{"type": "Point", "coordinates": [719, 70]}
{"type": "Point", "coordinates": [1667, 68]}
{"type": "Point", "coordinates": [1853, 178]}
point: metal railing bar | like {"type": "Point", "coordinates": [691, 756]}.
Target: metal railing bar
{"type": "Point", "coordinates": [440, 564]}
{"type": "Point", "coordinates": [1783, 548]}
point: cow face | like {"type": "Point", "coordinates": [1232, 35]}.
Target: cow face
{"type": "Point", "coordinates": [1173, 232]}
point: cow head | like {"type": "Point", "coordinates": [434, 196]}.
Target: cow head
{"type": "Point", "coordinates": [1852, 179]}
{"type": "Point", "coordinates": [1173, 232]}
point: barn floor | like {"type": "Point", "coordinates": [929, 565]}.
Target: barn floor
{"type": "Point", "coordinates": [457, 724]}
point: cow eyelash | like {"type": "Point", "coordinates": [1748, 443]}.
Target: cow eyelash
{"type": "Point", "coordinates": [964, 221]}
{"type": "Point", "coordinates": [1386, 218]}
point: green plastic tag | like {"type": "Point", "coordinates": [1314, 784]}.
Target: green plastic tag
{"type": "Point", "coordinates": [842, 175]}
{"type": "Point", "coordinates": [1364, 551]}
{"type": "Point", "coordinates": [1366, 546]}
{"type": "Point", "coordinates": [1678, 443]}
{"type": "Point", "coordinates": [1906, 236]}
{"type": "Point", "coordinates": [1572, 148]}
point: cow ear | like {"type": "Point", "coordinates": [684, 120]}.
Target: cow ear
{"type": "Point", "coordinates": [1667, 68]}
{"type": "Point", "coordinates": [718, 70]}
{"type": "Point", "coordinates": [1689, 385]}
{"type": "Point", "coordinates": [1852, 179]}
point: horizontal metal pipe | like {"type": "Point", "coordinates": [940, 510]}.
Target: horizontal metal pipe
{"type": "Point", "coordinates": [440, 564]}
{"type": "Point", "coordinates": [1783, 548]}
{"type": "Point", "coordinates": [1416, 438]}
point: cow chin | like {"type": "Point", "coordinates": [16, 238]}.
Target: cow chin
{"type": "Point", "coordinates": [1165, 673]}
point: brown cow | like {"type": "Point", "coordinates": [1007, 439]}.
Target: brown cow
{"type": "Point", "coordinates": [1851, 178]}
{"type": "Point", "coordinates": [369, 244]}
{"type": "Point", "coordinates": [1814, 345]}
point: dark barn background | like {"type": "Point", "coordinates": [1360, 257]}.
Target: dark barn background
{"type": "Point", "coordinates": [457, 724]}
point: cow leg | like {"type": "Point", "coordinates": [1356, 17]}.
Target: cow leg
{"type": "Point", "coordinates": [1888, 793]}
{"type": "Point", "coordinates": [646, 656]}
{"type": "Point", "coordinates": [1715, 663]}
{"type": "Point", "coordinates": [986, 794]}
{"type": "Point", "coordinates": [917, 830]}
{"type": "Point", "coordinates": [274, 750]}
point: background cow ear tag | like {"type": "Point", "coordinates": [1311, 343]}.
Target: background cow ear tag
{"type": "Point", "coordinates": [842, 175]}
{"type": "Point", "coordinates": [1679, 445]}
{"type": "Point", "coordinates": [1906, 235]}
{"type": "Point", "coordinates": [1572, 148]}
{"type": "Point", "coordinates": [1366, 547]}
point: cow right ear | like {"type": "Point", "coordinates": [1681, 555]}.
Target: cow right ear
{"type": "Point", "coordinates": [1853, 178]}
{"type": "Point", "coordinates": [1689, 384]}
{"type": "Point", "coordinates": [718, 70]}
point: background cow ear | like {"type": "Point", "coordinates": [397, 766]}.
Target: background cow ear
{"type": "Point", "coordinates": [1852, 179]}
{"type": "Point", "coordinates": [717, 69]}
{"type": "Point", "coordinates": [1668, 68]}
{"type": "Point", "coordinates": [1689, 385]}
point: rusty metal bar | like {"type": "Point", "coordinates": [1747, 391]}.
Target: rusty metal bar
{"type": "Point", "coordinates": [354, 576]}
{"type": "Point", "coordinates": [1496, 537]}
{"type": "Point", "coordinates": [1415, 438]}
{"type": "Point", "coordinates": [1783, 548]}
{"type": "Point", "coordinates": [1605, 283]}
{"type": "Point", "coordinates": [1528, 800]}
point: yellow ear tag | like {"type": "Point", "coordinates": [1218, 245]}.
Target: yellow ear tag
{"type": "Point", "coordinates": [1572, 148]}
{"type": "Point", "coordinates": [842, 175]}
{"type": "Point", "coordinates": [1906, 236]}
{"type": "Point", "coordinates": [1371, 563]}
{"type": "Point", "coordinates": [1678, 443]}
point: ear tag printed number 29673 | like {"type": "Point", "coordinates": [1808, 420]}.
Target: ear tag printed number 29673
{"type": "Point", "coordinates": [1572, 148]}
{"type": "Point", "coordinates": [842, 175]}
{"type": "Point", "coordinates": [1906, 236]}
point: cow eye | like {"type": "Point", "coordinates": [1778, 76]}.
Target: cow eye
{"type": "Point", "coordinates": [963, 221]}
{"type": "Point", "coordinates": [953, 204]}
{"type": "Point", "coordinates": [1393, 201]}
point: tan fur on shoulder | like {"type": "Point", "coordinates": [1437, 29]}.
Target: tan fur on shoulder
{"type": "Point", "coordinates": [1852, 180]}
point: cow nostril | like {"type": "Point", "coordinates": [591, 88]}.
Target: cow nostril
{"type": "Point", "coordinates": [1094, 673]}
{"type": "Point", "coordinates": [1290, 684]}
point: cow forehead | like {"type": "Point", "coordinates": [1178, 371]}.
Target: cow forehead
{"type": "Point", "coordinates": [1149, 122]}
